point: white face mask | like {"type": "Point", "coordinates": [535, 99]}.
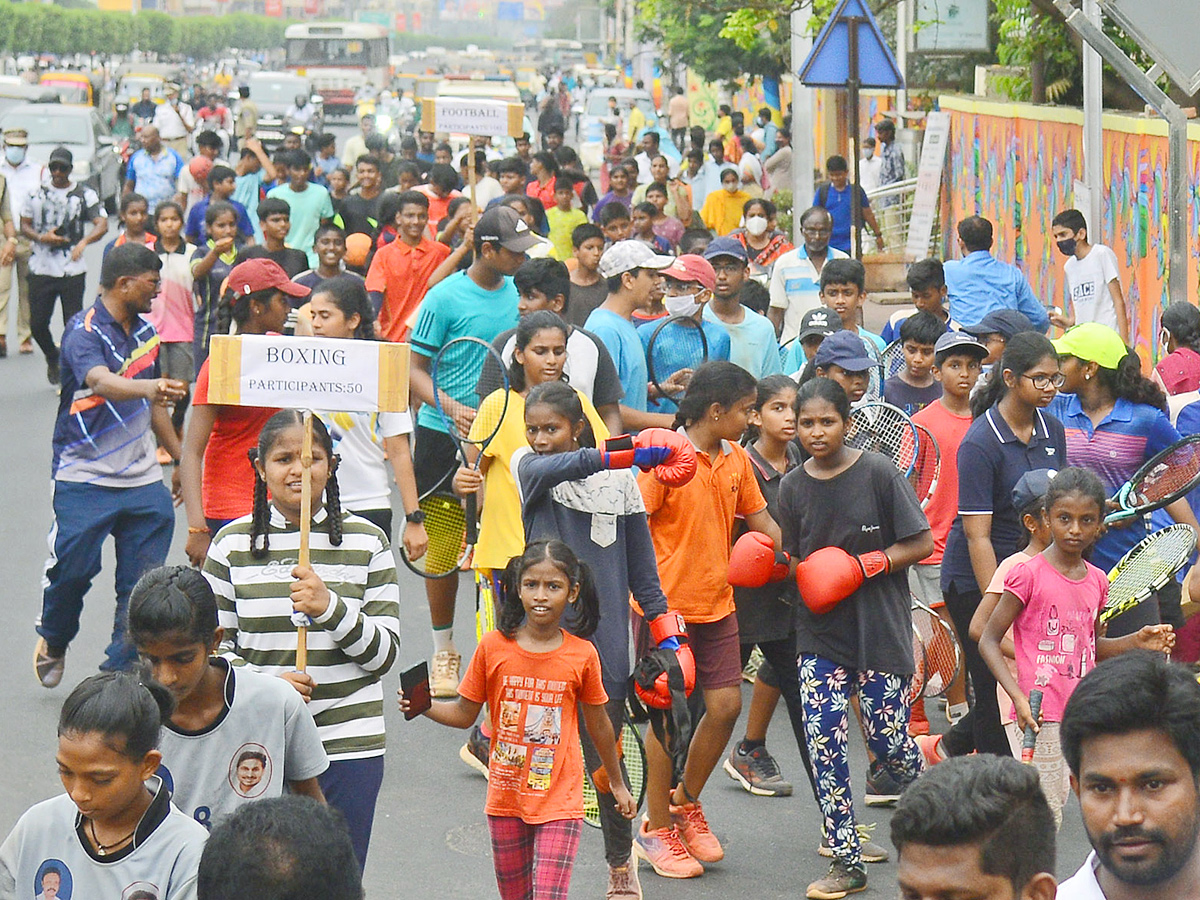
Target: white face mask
{"type": "Point", "coordinates": [756, 225]}
{"type": "Point", "coordinates": [682, 305]}
{"type": "Point", "coordinates": [14, 155]}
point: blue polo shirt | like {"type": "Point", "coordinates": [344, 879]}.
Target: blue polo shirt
{"type": "Point", "coordinates": [98, 441]}
{"type": "Point", "coordinates": [621, 338]}
{"type": "Point", "coordinates": [841, 210]}
{"type": "Point", "coordinates": [1116, 448]}
{"type": "Point", "coordinates": [979, 283]}
{"type": "Point", "coordinates": [991, 460]}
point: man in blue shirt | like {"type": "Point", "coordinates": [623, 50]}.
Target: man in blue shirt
{"type": "Point", "coordinates": [979, 283]}
{"type": "Point", "coordinates": [153, 171]}
{"type": "Point", "coordinates": [634, 273]}
{"type": "Point", "coordinates": [835, 195]}
{"type": "Point", "coordinates": [106, 478]}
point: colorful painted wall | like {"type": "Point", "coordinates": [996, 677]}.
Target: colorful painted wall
{"type": "Point", "coordinates": [1016, 165]}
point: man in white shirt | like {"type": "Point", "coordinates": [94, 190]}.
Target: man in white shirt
{"type": "Point", "coordinates": [1093, 280]}
{"type": "Point", "coordinates": [1131, 737]}
{"type": "Point", "coordinates": [975, 826]}
{"type": "Point", "coordinates": [869, 166]}
{"type": "Point", "coordinates": [21, 179]}
{"type": "Point", "coordinates": [796, 276]}
{"type": "Point", "coordinates": [174, 120]}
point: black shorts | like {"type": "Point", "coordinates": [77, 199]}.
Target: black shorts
{"type": "Point", "coordinates": [435, 459]}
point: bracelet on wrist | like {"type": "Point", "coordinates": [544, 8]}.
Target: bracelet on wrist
{"type": "Point", "coordinates": [192, 529]}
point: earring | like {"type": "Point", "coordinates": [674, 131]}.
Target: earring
{"type": "Point", "coordinates": [1087, 376]}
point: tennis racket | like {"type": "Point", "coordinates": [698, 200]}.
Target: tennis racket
{"type": "Point", "coordinates": [874, 392]}
{"type": "Point", "coordinates": [927, 467]}
{"type": "Point", "coordinates": [892, 359]}
{"type": "Point", "coordinates": [1149, 564]}
{"type": "Point", "coordinates": [446, 525]}
{"type": "Point", "coordinates": [677, 344]}
{"type": "Point", "coordinates": [885, 429]}
{"type": "Point", "coordinates": [1163, 479]}
{"type": "Point", "coordinates": [632, 752]}
{"type": "Point", "coordinates": [471, 422]}
{"type": "Point", "coordinates": [916, 687]}
{"type": "Point", "coordinates": [942, 652]}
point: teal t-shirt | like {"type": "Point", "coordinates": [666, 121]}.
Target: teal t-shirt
{"type": "Point", "coordinates": [752, 343]}
{"type": "Point", "coordinates": [308, 207]}
{"type": "Point", "coordinates": [621, 338]}
{"type": "Point", "coordinates": [457, 307]}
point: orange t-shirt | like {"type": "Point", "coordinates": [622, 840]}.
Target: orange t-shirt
{"type": "Point", "coordinates": [437, 206]}
{"type": "Point", "coordinates": [227, 485]}
{"type": "Point", "coordinates": [692, 528]}
{"type": "Point", "coordinates": [535, 772]}
{"type": "Point", "coordinates": [401, 273]}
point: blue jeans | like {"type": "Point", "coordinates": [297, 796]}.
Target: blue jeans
{"type": "Point", "coordinates": [351, 786]}
{"type": "Point", "coordinates": [141, 521]}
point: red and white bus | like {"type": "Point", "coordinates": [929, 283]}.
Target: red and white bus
{"type": "Point", "coordinates": [339, 58]}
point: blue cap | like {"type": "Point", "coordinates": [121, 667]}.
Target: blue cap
{"type": "Point", "coordinates": [726, 246]}
{"type": "Point", "coordinates": [1006, 322]}
{"type": "Point", "coordinates": [845, 349]}
{"type": "Point", "coordinates": [1032, 485]}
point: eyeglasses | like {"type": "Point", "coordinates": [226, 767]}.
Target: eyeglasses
{"type": "Point", "coordinates": [818, 231]}
{"type": "Point", "coordinates": [1041, 382]}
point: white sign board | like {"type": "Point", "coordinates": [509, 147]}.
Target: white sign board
{"type": "Point", "coordinates": [952, 26]}
{"type": "Point", "coordinates": [929, 184]}
{"type": "Point", "coordinates": [458, 115]}
{"type": "Point", "coordinates": [308, 373]}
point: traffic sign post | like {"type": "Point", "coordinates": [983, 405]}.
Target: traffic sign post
{"type": "Point", "coordinates": [850, 53]}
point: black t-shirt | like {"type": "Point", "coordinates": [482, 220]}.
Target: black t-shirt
{"type": "Point", "coordinates": [584, 299]}
{"type": "Point", "coordinates": [912, 400]}
{"type": "Point", "coordinates": [869, 506]}
{"type": "Point", "coordinates": [292, 261]}
{"type": "Point", "coordinates": [360, 214]}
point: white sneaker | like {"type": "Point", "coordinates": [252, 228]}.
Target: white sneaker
{"type": "Point", "coordinates": [623, 883]}
{"type": "Point", "coordinates": [444, 677]}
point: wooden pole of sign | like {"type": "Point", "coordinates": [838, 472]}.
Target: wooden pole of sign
{"type": "Point", "coordinates": [471, 176]}
{"type": "Point", "coordinates": [306, 457]}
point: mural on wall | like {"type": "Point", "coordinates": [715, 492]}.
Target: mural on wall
{"type": "Point", "coordinates": [1016, 165]}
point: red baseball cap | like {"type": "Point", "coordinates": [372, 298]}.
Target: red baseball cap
{"type": "Point", "coordinates": [692, 268]}
{"type": "Point", "coordinates": [259, 274]}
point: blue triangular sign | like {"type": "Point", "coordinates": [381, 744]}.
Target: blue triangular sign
{"type": "Point", "coordinates": [828, 65]}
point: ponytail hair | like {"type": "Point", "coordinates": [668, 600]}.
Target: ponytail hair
{"type": "Point", "coordinates": [261, 518]}
{"type": "Point", "coordinates": [127, 708]}
{"type": "Point", "coordinates": [172, 601]}
{"type": "Point", "coordinates": [530, 325]}
{"type": "Point", "coordinates": [564, 400]}
{"type": "Point", "coordinates": [720, 382]}
{"type": "Point", "coordinates": [577, 572]}
{"type": "Point", "coordinates": [235, 307]}
{"type": "Point", "coordinates": [349, 294]}
{"type": "Point", "coordinates": [1022, 352]}
{"type": "Point", "coordinates": [1126, 382]}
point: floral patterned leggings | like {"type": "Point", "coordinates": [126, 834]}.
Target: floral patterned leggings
{"type": "Point", "coordinates": [825, 689]}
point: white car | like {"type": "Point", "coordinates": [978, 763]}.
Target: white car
{"type": "Point", "coordinates": [595, 114]}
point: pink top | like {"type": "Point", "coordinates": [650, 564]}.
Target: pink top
{"type": "Point", "coordinates": [171, 313]}
{"type": "Point", "coordinates": [1180, 371]}
{"type": "Point", "coordinates": [1055, 635]}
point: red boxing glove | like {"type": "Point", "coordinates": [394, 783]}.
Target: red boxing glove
{"type": "Point", "coordinates": [830, 575]}
{"type": "Point", "coordinates": [669, 627]}
{"type": "Point", "coordinates": [753, 561]}
{"type": "Point", "coordinates": [680, 465]}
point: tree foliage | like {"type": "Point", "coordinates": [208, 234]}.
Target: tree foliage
{"type": "Point", "coordinates": [41, 28]}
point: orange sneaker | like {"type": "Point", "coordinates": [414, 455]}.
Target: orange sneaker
{"type": "Point", "coordinates": [931, 748]}
{"type": "Point", "coordinates": [665, 852]}
{"type": "Point", "coordinates": [694, 832]}
{"type": "Point", "coordinates": [917, 723]}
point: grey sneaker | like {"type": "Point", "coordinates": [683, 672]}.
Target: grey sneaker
{"type": "Point", "coordinates": [871, 851]}
{"type": "Point", "coordinates": [841, 880]}
{"type": "Point", "coordinates": [757, 772]}
{"type": "Point", "coordinates": [47, 666]}
{"type": "Point", "coordinates": [882, 788]}
{"type": "Point", "coordinates": [623, 882]}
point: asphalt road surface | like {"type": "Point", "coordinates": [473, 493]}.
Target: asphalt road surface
{"type": "Point", "coordinates": [430, 837]}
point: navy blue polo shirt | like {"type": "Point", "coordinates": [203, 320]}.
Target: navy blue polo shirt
{"type": "Point", "coordinates": [99, 441]}
{"type": "Point", "coordinates": [991, 460]}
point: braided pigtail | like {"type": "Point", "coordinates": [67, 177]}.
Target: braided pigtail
{"type": "Point", "coordinates": [261, 521]}
{"type": "Point", "coordinates": [333, 508]}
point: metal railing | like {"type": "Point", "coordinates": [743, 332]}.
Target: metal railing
{"type": "Point", "coordinates": [893, 218]}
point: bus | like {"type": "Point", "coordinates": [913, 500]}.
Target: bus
{"type": "Point", "coordinates": [339, 58]}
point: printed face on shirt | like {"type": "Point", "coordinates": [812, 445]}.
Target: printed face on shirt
{"type": "Point", "coordinates": [249, 774]}
{"type": "Point", "coordinates": [1140, 805]}
{"type": "Point", "coordinates": [51, 881]}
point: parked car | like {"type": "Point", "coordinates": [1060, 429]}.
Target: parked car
{"type": "Point", "coordinates": [81, 130]}
{"type": "Point", "coordinates": [595, 114]}
{"type": "Point", "coordinates": [273, 93]}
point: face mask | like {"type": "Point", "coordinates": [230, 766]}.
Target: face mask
{"type": "Point", "coordinates": [1067, 247]}
{"type": "Point", "coordinates": [14, 155]}
{"type": "Point", "coordinates": [683, 305]}
{"type": "Point", "coordinates": [756, 225]}
{"type": "Point", "coordinates": [732, 187]}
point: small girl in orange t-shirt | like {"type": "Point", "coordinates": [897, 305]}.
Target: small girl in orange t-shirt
{"type": "Point", "coordinates": [533, 676]}
{"type": "Point", "coordinates": [692, 527]}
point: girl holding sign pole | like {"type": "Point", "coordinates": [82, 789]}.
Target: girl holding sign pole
{"type": "Point", "coordinates": [214, 477]}
{"type": "Point", "coordinates": [348, 593]}
{"type": "Point", "coordinates": [367, 442]}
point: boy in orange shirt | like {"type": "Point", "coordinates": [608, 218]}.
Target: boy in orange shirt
{"type": "Point", "coordinates": [400, 272]}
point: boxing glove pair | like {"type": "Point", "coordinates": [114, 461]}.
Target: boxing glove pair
{"type": "Point", "coordinates": [670, 454]}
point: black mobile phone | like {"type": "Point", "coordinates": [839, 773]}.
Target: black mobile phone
{"type": "Point", "coordinates": [415, 684]}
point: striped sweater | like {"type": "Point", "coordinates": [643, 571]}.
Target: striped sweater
{"type": "Point", "coordinates": [350, 646]}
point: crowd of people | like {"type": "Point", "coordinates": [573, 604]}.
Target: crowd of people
{"type": "Point", "coordinates": [691, 519]}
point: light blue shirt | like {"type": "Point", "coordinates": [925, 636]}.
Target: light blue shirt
{"type": "Point", "coordinates": [979, 284]}
{"type": "Point", "coordinates": [621, 338]}
{"type": "Point", "coordinates": [752, 343]}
